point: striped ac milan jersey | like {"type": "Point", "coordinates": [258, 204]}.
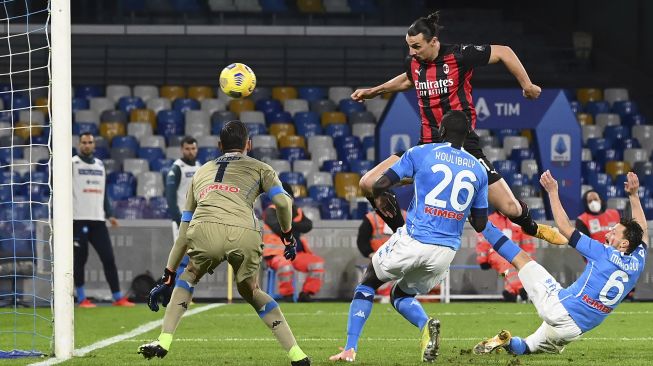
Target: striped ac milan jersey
{"type": "Point", "coordinates": [444, 84]}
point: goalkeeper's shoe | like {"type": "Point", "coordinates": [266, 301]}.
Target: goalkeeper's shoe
{"type": "Point", "coordinates": [430, 342]}
{"type": "Point", "coordinates": [550, 234]}
{"type": "Point", "coordinates": [303, 362]}
{"type": "Point", "coordinates": [490, 345]}
{"type": "Point", "coordinates": [123, 302]}
{"type": "Point", "coordinates": [348, 355]}
{"type": "Point", "coordinates": [152, 349]}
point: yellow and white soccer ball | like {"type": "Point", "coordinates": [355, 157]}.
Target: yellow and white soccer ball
{"type": "Point", "coordinates": [237, 80]}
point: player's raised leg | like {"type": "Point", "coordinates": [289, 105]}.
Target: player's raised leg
{"type": "Point", "coordinates": [366, 183]}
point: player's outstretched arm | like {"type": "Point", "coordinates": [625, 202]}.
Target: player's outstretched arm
{"type": "Point", "coordinates": [559, 215]}
{"type": "Point", "coordinates": [399, 83]}
{"type": "Point", "coordinates": [506, 55]}
{"type": "Point", "coordinates": [631, 187]}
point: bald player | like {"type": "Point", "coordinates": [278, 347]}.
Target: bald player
{"type": "Point", "coordinates": [217, 225]}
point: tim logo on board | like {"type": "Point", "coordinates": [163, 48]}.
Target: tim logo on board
{"type": "Point", "coordinates": [399, 142]}
{"type": "Point", "coordinates": [482, 110]}
{"type": "Point", "coordinates": [560, 148]}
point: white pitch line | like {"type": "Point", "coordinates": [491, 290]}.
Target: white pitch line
{"type": "Point", "coordinates": [376, 339]}
{"type": "Point", "coordinates": [121, 337]}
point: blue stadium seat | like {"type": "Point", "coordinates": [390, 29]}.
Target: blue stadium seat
{"type": "Point", "coordinates": [268, 106]}
{"type": "Point", "coordinates": [134, 202]}
{"type": "Point", "coordinates": [308, 129]}
{"type": "Point", "coordinates": [185, 104]}
{"type": "Point", "coordinates": [501, 133]}
{"type": "Point", "coordinates": [161, 165]}
{"type": "Point", "coordinates": [603, 156]}
{"type": "Point", "coordinates": [158, 202]}
{"type": "Point", "coordinates": [292, 178]}
{"type": "Point", "coordinates": [83, 127]}
{"type": "Point", "coordinates": [350, 153]}
{"type": "Point", "coordinates": [516, 179]}
{"type": "Point", "coordinates": [597, 180]}
{"type": "Point", "coordinates": [616, 132]}
{"type": "Point", "coordinates": [306, 118]}
{"type": "Point", "coordinates": [347, 142]}
{"type": "Point", "coordinates": [121, 178]}
{"type": "Point", "coordinates": [125, 141]}
{"type": "Point", "coordinates": [80, 104]}
{"type": "Point", "coordinates": [312, 93]}
{"type": "Point", "coordinates": [334, 166]}
{"type": "Point", "coordinates": [360, 210]}
{"type": "Point", "coordinates": [119, 191]}
{"type": "Point", "coordinates": [614, 191]}
{"type": "Point", "coordinates": [6, 154]}
{"type": "Point", "coordinates": [254, 129]}
{"type": "Point", "coordinates": [596, 107]}
{"type": "Point", "coordinates": [273, 6]}
{"type": "Point", "coordinates": [216, 127]}
{"type": "Point", "coordinates": [205, 154]}
{"type": "Point", "coordinates": [89, 91]}
{"type": "Point", "coordinates": [336, 130]}
{"type": "Point", "coordinates": [320, 192]}
{"type": "Point", "coordinates": [187, 6]}
{"type": "Point", "coordinates": [538, 214]}
{"type": "Point", "coordinates": [278, 117]}
{"type": "Point", "coordinates": [648, 181]}
{"type": "Point", "coordinates": [170, 122]}
{"type": "Point", "coordinates": [348, 106]}
{"type": "Point", "coordinates": [363, 6]}
{"type": "Point", "coordinates": [334, 209]}
{"type": "Point", "coordinates": [647, 205]}
{"type": "Point", "coordinates": [627, 143]}
{"type": "Point", "coordinates": [150, 153]}
{"type": "Point", "coordinates": [43, 139]}
{"type": "Point", "coordinates": [576, 107]}
{"type": "Point", "coordinates": [130, 213]}
{"type": "Point", "coordinates": [624, 108]}
{"type": "Point", "coordinates": [361, 166]}
{"type": "Point", "coordinates": [40, 211]}
{"type": "Point", "coordinates": [102, 153]}
{"type": "Point", "coordinates": [635, 119]}
{"type": "Point", "coordinates": [590, 167]}
{"type": "Point", "coordinates": [5, 193]}
{"type": "Point", "coordinates": [306, 202]}
{"type": "Point", "coordinates": [368, 141]}
{"type": "Point", "coordinates": [293, 153]}
{"type": "Point", "coordinates": [505, 167]}
{"type": "Point", "coordinates": [126, 104]}
{"type": "Point", "coordinates": [517, 155]}
{"type": "Point", "coordinates": [598, 143]}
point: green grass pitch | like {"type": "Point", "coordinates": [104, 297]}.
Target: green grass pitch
{"type": "Point", "coordinates": [233, 335]}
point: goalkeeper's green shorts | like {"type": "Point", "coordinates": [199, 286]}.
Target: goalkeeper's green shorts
{"type": "Point", "coordinates": [210, 244]}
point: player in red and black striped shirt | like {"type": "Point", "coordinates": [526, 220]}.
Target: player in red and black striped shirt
{"type": "Point", "coordinates": [441, 75]}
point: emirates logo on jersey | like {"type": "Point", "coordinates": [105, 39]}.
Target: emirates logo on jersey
{"type": "Point", "coordinates": [433, 87]}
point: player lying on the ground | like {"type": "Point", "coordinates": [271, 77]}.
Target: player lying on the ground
{"type": "Point", "coordinates": [216, 226]}
{"type": "Point", "coordinates": [611, 272]}
{"type": "Point", "coordinates": [450, 184]}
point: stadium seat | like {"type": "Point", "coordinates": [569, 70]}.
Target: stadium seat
{"type": "Point", "coordinates": [607, 119]}
{"type": "Point", "coordinates": [222, 117]}
{"type": "Point", "coordinates": [162, 165]}
{"type": "Point", "coordinates": [292, 141]}
{"type": "Point", "coordinates": [612, 95]}
{"type": "Point", "coordinates": [127, 104]}
{"type": "Point", "coordinates": [505, 167]}
{"type": "Point", "coordinates": [323, 105]}
{"type": "Point", "coordinates": [119, 154]}
{"type": "Point", "coordinates": [494, 153]}
{"type": "Point", "coordinates": [377, 106]}
{"type": "Point", "coordinates": [320, 192]}
{"type": "Point", "coordinates": [309, 129]}
{"type": "Point", "coordinates": [293, 153]}
{"type": "Point", "coordinates": [598, 180]}
{"type": "Point", "coordinates": [101, 104]}
{"type": "Point", "coordinates": [88, 91]}
{"type": "Point", "coordinates": [319, 178]}
{"type": "Point", "coordinates": [185, 104]}
{"type": "Point", "coordinates": [576, 107]}
{"type": "Point", "coordinates": [278, 117]}
{"type": "Point", "coordinates": [625, 108]}
{"type": "Point", "coordinates": [514, 142]}
{"type": "Point", "coordinates": [115, 92]}
{"type": "Point", "coordinates": [280, 165]}
{"type": "Point", "coordinates": [334, 166]}
{"type": "Point", "coordinates": [319, 142]}
{"type": "Point", "coordinates": [633, 120]}
{"type": "Point", "coordinates": [158, 104]}
{"type": "Point", "coordinates": [338, 93]}
{"type": "Point", "coordinates": [118, 192]}
{"type": "Point", "coordinates": [334, 209]}
{"type": "Point", "coordinates": [518, 155]}
{"type": "Point", "coordinates": [591, 166]}
{"type": "Point", "coordinates": [248, 6]}
{"type": "Point", "coordinates": [362, 130]}
{"type": "Point", "coordinates": [346, 185]}
{"type": "Point", "coordinates": [349, 106]}
{"type": "Point", "coordinates": [153, 141]}
{"type": "Point", "coordinates": [238, 105]}
{"type": "Point", "coordinates": [113, 116]}
{"type": "Point", "coordinates": [614, 168]}
{"type": "Point", "coordinates": [591, 131]}
{"type": "Point", "coordinates": [265, 153]}
{"type": "Point", "coordinates": [205, 154]}
{"type": "Point", "coordinates": [78, 104]}
{"type": "Point", "coordinates": [311, 93]}
{"type": "Point", "coordinates": [122, 178]}
{"type": "Point", "coordinates": [146, 92]}
{"type": "Point", "coordinates": [173, 152]}
{"type": "Point", "coordinates": [266, 105]}
{"type": "Point", "coordinates": [364, 117]}
{"type": "Point", "coordinates": [109, 130]}
{"type": "Point", "coordinates": [150, 153]}
{"type": "Point", "coordinates": [170, 122]}
{"type": "Point", "coordinates": [252, 117]}
{"type": "Point", "coordinates": [125, 141]}
{"type": "Point", "coordinates": [530, 168]}
{"type": "Point", "coordinates": [320, 155]}
{"type": "Point", "coordinates": [208, 141]}
{"type": "Point", "coordinates": [361, 166]}
{"type": "Point", "coordinates": [197, 129]}
{"type": "Point", "coordinates": [603, 156]}
{"type": "Point", "coordinates": [256, 129]}
{"type": "Point", "coordinates": [363, 6]}
{"type": "Point", "coordinates": [337, 130]}
{"type": "Point", "coordinates": [489, 141]}
{"type": "Point", "coordinates": [281, 93]}
{"type": "Point", "coordinates": [596, 144]}
{"type": "Point", "coordinates": [293, 106]}
{"type": "Point", "coordinates": [503, 132]}
{"type": "Point", "coordinates": [523, 191]}
{"type": "Point", "coordinates": [279, 130]}
{"type": "Point", "coordinates": [616, 132]}
{"type": "Point", "coordinates": [150, 184]}
{"type": "Point", "coordinates": [304, 167]}
{"type": "Point", "coordinates": [87, 116]}
{"type": "Point", "coordinates": [211, 105]}
{"type": "Point", "coordinates": [173, 92]}
{"type": "Point", "coordinates": [200, 93]}
{"type": "Point", "coordinates": [585, 95]}
{"type": "Point", "coordinates": [597, 107]}
{"type": "Point", "coordinates": [642, 168]}
{"type": "Point", "coordinates": [264, 141]}
{"type": "Point", "coordinates": [293, 178]}
{"type": "Point", "coordinates": [585, 119]}
{"type": "Point", "coordinates": [143, 115]}
{"type": "Point", "coordinates": [618, 203]}
{"type": "Point", "coordinates": [136, 166]}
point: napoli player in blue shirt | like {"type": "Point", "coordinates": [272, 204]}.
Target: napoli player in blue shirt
{"type": "Point", "coordinates": [611, 272]}
{"type": "Point", "coordinates": [450, 186]}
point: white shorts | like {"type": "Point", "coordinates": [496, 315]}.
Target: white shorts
{"type": "Point", "coordinates": [558, 328]}
{"type": "Point", "coordinates": [416, 267]}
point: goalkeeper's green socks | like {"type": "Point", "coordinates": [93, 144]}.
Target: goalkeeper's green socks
{"type": "Point", "coordinates": [165, 340]}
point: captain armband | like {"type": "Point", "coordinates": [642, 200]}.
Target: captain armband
{"type": "Point", "coordinates": [186, 216]}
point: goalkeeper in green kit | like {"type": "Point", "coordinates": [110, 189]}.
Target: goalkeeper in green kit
{"type": "Point", "coordinates": [218, 224]}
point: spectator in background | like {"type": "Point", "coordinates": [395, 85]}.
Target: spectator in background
{"type": "Point", "coordinates": [91, 207]}
{"type": "Point", "coordinates": [372, 233]}
{"type": "Point", "coordinates": [177, 183]}
{"type": "Point", "coordinates": [305, 261]}
{"type": "Point", "coordinates": [597, 220]}
{"type": "Point", "coordinates": [488, 258]}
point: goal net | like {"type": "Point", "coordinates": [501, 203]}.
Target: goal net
{"type": "Point", "coordinates": [26, 318]}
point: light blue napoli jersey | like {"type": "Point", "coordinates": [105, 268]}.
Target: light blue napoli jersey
{"type": "Point", "coordinates": [608, 277]}
{"type": "Point", "coordinates": [448, 183]}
